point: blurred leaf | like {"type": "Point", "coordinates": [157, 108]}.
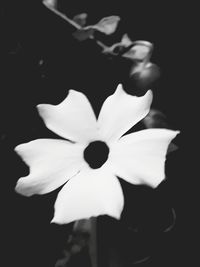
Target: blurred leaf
{"type": "Point", "coordinates": [172, 147]}
{"type": "Point", "coordinates": [139, 51]}
{"type": "Point", "coordinates": [50, 3]}
{"type": "Point", "coordinates": [83, 34]}
{"type": "Point", "coordinates": [80, 19]}
{"type": "Point", "coordinates": [126, 41]}
{"type": "Point", "coordinates": [106, 25]}
{"type": "Point", "coordinates": [136, 51]}
{"type": "Point", "coordinates": [155, 119]}
{"type": "Point", "coordinates": [119, 47]}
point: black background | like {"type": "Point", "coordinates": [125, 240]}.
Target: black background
{"type": "Point", "coordinates": [32, 33]}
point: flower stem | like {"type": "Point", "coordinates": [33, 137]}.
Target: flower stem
{"type": "Point", "coordinates": [93, 243]}
{"type": "Point", "coordinates": [60, 14]}
{"type": "Point", "coordinates": [88, 227]}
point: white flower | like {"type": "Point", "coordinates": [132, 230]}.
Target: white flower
{"type": "Point", "coordinates": [138, 158]}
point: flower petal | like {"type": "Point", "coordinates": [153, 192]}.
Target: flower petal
{"type": "Point", "coordinates": [80, 19]}
{"type": "Point", "coordinates": [139, 158]}
{"type": "Point", "coordinates": [120, 112]}
{"type": "Point", "coordinates": [83, 34]}
{"type": "Point", "coordinates": [52, 162]}
{"type": "Point", "coordinates": [92, 192]}
{"type": "Point", "coordinates": [72, 119]}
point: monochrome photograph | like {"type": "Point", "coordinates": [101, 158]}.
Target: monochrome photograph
{"type": "Point", "coordinates": [93, 134]}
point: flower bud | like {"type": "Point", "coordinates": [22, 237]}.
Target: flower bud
{"type": "Point", "coordinates": [144, 76]}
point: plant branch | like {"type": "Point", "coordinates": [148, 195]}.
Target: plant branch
{"type": "Point", "coordinates": [74, 24]}
{"type": "Point", "coordinates": [61, 15]}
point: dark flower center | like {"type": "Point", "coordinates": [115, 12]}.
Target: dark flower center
{"type": "Point", "coordinates": [96, 154]}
